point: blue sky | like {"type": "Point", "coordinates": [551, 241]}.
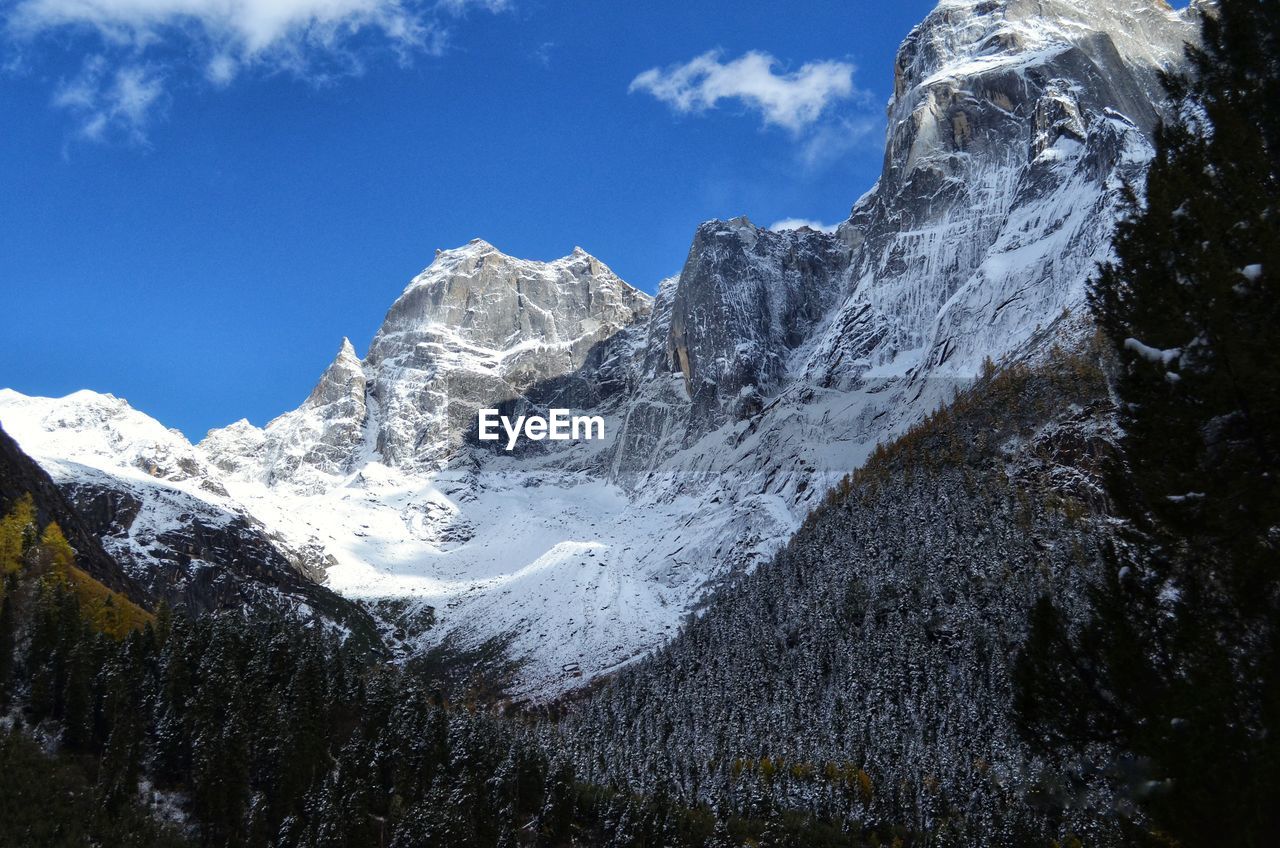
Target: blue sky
{"type": "Point", "coordinates": [200, 198]}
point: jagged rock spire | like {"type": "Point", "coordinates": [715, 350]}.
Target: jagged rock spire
{"type": "Point", "coordinates": [342, 380]}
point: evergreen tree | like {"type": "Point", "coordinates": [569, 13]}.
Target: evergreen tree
{"type": "Point", "coordinates": [8, 584]}
{"type": "Point", "coordinates": [1180, 662]}
{"type": "Point", "coordinates": [121, 762]}
{"type": "Point", "coordinates": [556, 816]}
{"type": "Point", "coordinates": [77, 700]}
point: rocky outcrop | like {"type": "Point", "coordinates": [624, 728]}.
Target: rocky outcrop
{"type": "Point", "coordinates": [476, 329]}
{"type": "Point", "coordinates": [746, 300]}
{"type": "Point", "coordinates": [199, 559]}
{"type": "Point", "coordinates": [322, 438]}
{"type": "Point", "coordinates": [480, 328]}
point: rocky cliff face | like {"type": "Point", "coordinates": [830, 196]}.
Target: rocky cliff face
{"type": "Point", "coordinates": [771, 366]}
{"type": "Point", "coordinates": [482, 328]}
{"type": "Point", "coordinates": [1011, 128]}
{"type": "Point", "coordinates": [476, 328]}
{"type": "Point", "coordinates": [747, 298]}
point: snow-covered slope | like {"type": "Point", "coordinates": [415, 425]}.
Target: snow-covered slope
{"type": "Point", "coordinates": [162, 514]}
{"type": "Point", "coordinates": [733, 399]}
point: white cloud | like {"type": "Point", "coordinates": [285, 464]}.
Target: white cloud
{"type": "Point", "coordinates": [111, 100]}
{"type": "Point", "coordinates": [792, 100]}
{"type": "Point", "coordinates": [542, 55]}
{"type": "Point", "coordinates": [244, 28]}
{"type": "Point", "coordinates": [138, 43]}
{"type": "Point", "coordinates": [461, 7]}
{"type": "Point", "coordinates": [796, 223]}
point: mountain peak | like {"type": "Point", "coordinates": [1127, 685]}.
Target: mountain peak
{"type": "Point", "coordinates": [966, 39]}
{"type": "Point", "coordinates": [343, 380]}
{"type": "Point", "coordinates": [497, 301]}
{"type": "Point", "coordinates": [476, 248]}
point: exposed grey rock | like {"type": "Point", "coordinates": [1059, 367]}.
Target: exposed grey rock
{"type": "Point", "coordinates": [20, 475]}
{"type": "Point", "coordinates": [199, 559]}
{"type": "Point", "coordinates": [149, 516]}
{"type": "Point", "coordinates": [476, 329]}
{"type": "Point", "coordinates": [746, 299]}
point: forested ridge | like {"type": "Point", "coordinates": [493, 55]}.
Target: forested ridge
{"type": "Point", "coordinates": [141, 729]}
{"type": "Point", "coordinates": [865, 672]}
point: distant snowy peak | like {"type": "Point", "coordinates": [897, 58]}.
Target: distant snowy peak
{"type": "Point", "coordinates": [497, 302]}
{"type": "Point", "coordinates": [965, 38]}
{"type": "Point", "coordinates": [342, 381]}
{"type": "Point", "coordinates": [104, 432]}
{"type": "Point", "coordinates": [481, 328]}
{"type": "Point", "coordinates": [476, 328]}
{"type": "Point", "coordinates": [313, 445]}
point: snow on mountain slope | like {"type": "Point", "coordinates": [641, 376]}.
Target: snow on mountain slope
{"type": "Point", "coordinates": [769, 368]}
{"type": "Point", "coordinates": [540, 543]}
{"type": "Point", "coordinates": [1012, 129]}
{"type": "Point", "coordinates": [104, 432]}
{"type": "Point", "coordinates": [161, 512]}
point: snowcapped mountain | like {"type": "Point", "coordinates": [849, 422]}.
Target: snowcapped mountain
{"type": "Point", "coordinates": [477, 327]}
{"type": "Point", "coordinates": [764, 372]}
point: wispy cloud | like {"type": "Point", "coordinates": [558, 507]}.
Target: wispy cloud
{"type": "Point", "coordinates": [542, 54]}
{"type": "Point", "coordinates": [828, 142]}
{"type": "Point", "coordinates": [138, 47]}
{"type": "Point", "coordinates": [796, 223]}
{"type": "Point", "coordinates": [109, 99]}
{"type": "Point", "coordinates": [794, 100]}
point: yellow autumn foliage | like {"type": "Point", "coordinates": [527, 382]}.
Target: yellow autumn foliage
{"type": "Point", "coordinates": [106, 611]}
{"type": "Point", "coordinates": [15, 528]}
{"type": "Point", "coordinates": [52, 555]}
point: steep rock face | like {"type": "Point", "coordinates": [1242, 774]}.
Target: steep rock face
{"type": "Point", "coordinates": [479, 328]}
{"type": "Point", "coordinates": [747, 298]}
{"type": "Point", "coordinates": [322, 438]}
{"type": "Point", "coordinates": [476, 329]}
{"type": "Point", "coordinates": [497, 302]}
{"type": "Point", "coordinates": [1010, 128]}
